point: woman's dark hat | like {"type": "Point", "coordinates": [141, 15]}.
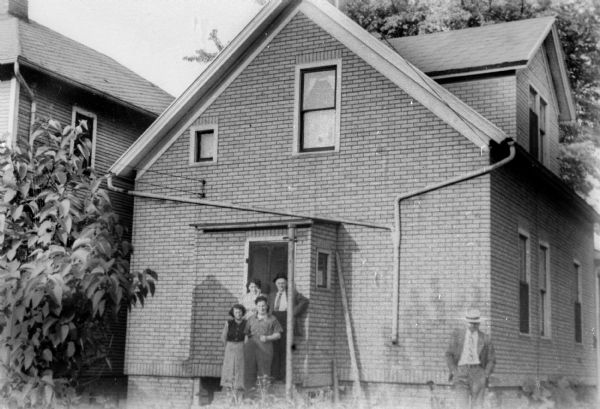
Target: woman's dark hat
{"type": "Point", "coordinates": [239, 307]}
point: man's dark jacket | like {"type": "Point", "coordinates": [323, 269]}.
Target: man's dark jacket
{"type": "Point", "coordinates": [487, 355]}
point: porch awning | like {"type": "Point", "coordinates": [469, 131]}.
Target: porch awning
{"type": "Point", "coordinates": [257, 225]}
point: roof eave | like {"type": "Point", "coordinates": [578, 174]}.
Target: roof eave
{"type": "Point", "coordinates": [568, 114]}
{"type": "Point", "coordinates": [125, 165]}
{"type": "Point", "coordinates": [422, 88]}
{"type": "Point", "coordinates": [26, 63]}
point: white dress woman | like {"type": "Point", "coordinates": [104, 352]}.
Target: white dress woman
{"type": "Point", "coordinates": [249, 298]}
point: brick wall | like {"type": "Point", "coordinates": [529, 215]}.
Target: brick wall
{"type": "Point", "coordinates": [321, 324]}
{"type": "Point", "coordinates": [152, 392]}
{"type": "Point", "coordinates": [493, 97]}
{"type": "Point", "coordinates": [538, 74]}
{"type": "Point", "coordinates": [533, 206]}
{"type": "Point", "coordinates": [389, 144]}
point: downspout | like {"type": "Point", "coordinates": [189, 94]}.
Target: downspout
{"type": "Point", "coordinates": [22, 81]}
{"type": "Point", "coordinates": [226, 205]}
{"type": "Point", "coordinates": [397, 233]}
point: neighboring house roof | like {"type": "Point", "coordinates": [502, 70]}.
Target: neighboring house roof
{"type": "Point", "coordinates": [491, 47]}
{"type": "Point", "coordinates": [231, 61]}
{"type": "Point", "coordinates": [43, 49]}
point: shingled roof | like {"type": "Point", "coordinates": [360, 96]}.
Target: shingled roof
{"type": "Point", "coordinates": [41, 48]}
{"type": "Point", "coordinates": [475, 49]}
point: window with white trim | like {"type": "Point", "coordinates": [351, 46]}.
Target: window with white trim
{"type": "Point", "coordinates": [578, 290]}
{"type": "Point", "coordinates": [323, 269]}
{"type": "Point", "coordinates": [544, 283]}
{"type": "Point", "coordinates": [203, 144]}
{"type": "Point", "coordinates": [537, 125]}
{"type": "Point", "coordinates": [524, 279]}
{"type": "Point", "coordinates": [317, 117]}
{"type": "Point", "coordinates": [85, 142]}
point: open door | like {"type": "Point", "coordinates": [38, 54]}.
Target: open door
{"type": "Point", "coordinates": [265, 261]}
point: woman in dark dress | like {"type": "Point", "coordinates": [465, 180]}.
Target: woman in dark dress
{"type": "Point", "coordinates": [262, 329]}
{"type": "Point", "coordinates": [233, 336]}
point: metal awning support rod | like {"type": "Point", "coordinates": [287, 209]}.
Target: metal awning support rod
{"type": "Point", "coordinates": [397, 233]}
{"type": "Point", "coordinates": [234, 206]}
{"type": "Point", "coordinates": [291, 287]}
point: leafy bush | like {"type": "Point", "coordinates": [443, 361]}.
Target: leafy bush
{"type": "Point", "coordinates": [557, 393]}
{"type": "Point", "coordinates": [64, 270]}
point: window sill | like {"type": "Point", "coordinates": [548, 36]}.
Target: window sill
{"type": "Point", "coordinates": [199, 164]}
{"type": "Point", "coordinates": [300, 155]}
{"type": "Point", "coordinates": [523, 335]}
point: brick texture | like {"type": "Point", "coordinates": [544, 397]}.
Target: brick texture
{"type": "Point", "coordinates": [389, 144]}
{"type": "Point", "coordinates": [533, 207]}
{"type": "Point", "coordinates": [537, 74]}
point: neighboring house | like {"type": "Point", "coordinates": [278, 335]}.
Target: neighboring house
{"type": "Point", "coordinates": [305, 119]}
{"type": "Point", "coordinates": [44, 74]}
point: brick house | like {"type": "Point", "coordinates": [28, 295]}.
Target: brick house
{"type": "Point", "coordinates": [44, 74]}
{"type": "Point", "coordinates": [307, 120]}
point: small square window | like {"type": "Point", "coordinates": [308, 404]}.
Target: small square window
{"type": "Point", "coordinates": [203, 145]}
{"type": "Point", "coordinates": [323, 269]}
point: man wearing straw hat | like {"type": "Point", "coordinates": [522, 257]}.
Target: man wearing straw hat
{"type": "Point", "coordinates": [471, 359]}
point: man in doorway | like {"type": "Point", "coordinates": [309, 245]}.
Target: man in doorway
{"type": "Point", "coordinates": [471, 360]}
{"type": "Point", "coordinates": [278, 301]}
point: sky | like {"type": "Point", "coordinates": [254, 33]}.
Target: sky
{"type": "Point", "coordinates": [150, 37]}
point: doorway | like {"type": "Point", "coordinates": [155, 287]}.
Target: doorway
{"type": "Point", "coordinates": [266, 260]}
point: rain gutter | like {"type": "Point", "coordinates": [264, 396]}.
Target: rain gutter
{"type": "Point", "coordinates": [397, 233]}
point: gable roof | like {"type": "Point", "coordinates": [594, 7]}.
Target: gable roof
{"type": "Point", "coordinates": [477, 48]}
{"type": "Point", "coordinates": [487, 48]}
{"type": "Point", "coordinates": [272, 18]}
{"type": "Point", "coordinates": [36, 46]}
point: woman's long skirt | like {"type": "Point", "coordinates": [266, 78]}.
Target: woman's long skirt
{"type": "Point", "coordinates": [232, 374]}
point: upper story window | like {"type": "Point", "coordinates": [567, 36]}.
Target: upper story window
{"type": "Point", "coordinates": [203, 144]}
{"type": "Point", "coordinates": [317, 119]}
{"type": "Point", "coordinates": [86, 141]}
{"type": "Point", "coordinates": [537, 125]}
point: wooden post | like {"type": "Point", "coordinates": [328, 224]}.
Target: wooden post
{"type": "Point", "coordinates": [290, 311]}
{"type": "Point", "coordinates": [336, 384]}
{"type": "Point", "coordinates": [354, 363]}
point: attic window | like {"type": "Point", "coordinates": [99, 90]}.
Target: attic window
{"type": "Point", "coordinates": [537, 125]}
{"type": "Point", "coordinates": [318, 106]}
{"type": "Point", "coordinates": [203, 144]}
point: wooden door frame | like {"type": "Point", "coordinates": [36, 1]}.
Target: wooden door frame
{"type": "Point", "coordinates": [257, 239]}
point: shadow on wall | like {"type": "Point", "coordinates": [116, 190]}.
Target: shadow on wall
{"type": "Point", "coordinates": [211, 301]}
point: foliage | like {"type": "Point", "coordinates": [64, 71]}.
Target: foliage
{"type": "Point", "coordinates": [204, 56]}
{"type": "Point", "coordinates": [578, 23]}
{"type": "Point", "coordinates": [556, 392]}
{"type": "Point", "coordinates": [64, 270]}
